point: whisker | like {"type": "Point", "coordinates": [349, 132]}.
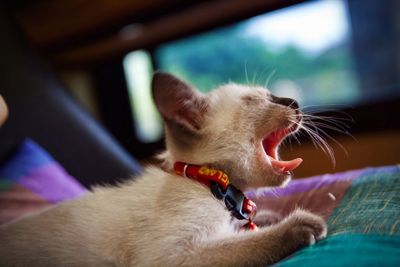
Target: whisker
{"type": "Point", "coordinates": [335, 126]}
{"type": "Point", "coordinates": [301, 127]}
{"type": "Point", "coordinates": [245, 73]}
{"type": "Point", "coordinates": [324, 145]}
{"type": "Point", "coordinates": [318, 140]}
{"type": "Point", "coordinates": [325, 110]}
{"type": "Point", "coordinates": [314, 125]}
{"type": "Point", "coordinates": [338, 128]}
{"type": "Point", "coordinates": [253, 82]}
{"type": "Point", "coordinates": [335, 106]}
{"type": "Point", "coordinates": [269, 78]}
{"type": "Point", "coordinates": [334, 140]}
{"type": "Point", "coordinates": [329, 118]}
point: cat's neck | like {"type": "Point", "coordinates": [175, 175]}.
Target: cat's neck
{"type": "Point", "coordinates": [167, 161]}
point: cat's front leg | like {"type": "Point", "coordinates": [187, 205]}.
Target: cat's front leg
{"type": "Point", "coordinates": [264, 218]}
{"type": "Point", "coordinates": [267, 217]}
{"type": "Point", "coordinates": [265, 246]}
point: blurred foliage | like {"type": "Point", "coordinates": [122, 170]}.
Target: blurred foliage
{"type": "Point", "coordinates": [228, 54]}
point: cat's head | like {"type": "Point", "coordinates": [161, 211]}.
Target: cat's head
{"type": "Point", "coordinates": [234, 128]}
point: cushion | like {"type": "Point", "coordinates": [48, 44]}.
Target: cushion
{"type": "Point", "coordinates": [31, 180]}
{"type": "Point", "coordinates": [362, 208]}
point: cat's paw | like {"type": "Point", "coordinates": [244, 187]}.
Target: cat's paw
{"type": "Point", "coordinates": [302, 228]}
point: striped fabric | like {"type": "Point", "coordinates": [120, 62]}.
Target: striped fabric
{"type": "Point", "coordinates": [32, 180]}
{"type": "Point", "coordinates": [362, 209]}
{"type": "Point", "coordinates": [371, 205]}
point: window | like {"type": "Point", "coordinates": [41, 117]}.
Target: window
{"type": "Point", "coordinates": [302, 51]}
{"type": "Point", "coordinates": [322, 53]}
{"type": "Point", "coordinates": [138, 69]}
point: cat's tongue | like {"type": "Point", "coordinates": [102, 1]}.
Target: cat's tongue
{"type": "Point", "coordinates": [286, 165]}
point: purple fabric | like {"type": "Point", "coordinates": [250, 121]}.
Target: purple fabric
{"type": "Point", "coordinates": [304, 185]}
{"type": "Point", "coordinates": [52, 183]}
{"type": "Point", "coordinates": [315, 182]}
{"type": "Point", "coordinates": [31, 180]}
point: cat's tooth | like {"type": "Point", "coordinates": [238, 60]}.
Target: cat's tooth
{"type": "Point", "coordinates": [285, 166]}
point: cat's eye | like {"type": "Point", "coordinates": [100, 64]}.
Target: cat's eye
{"type": "Point", "coordinates": [252, 99]}
{"type": "Point", "coordinates": [248, 98]}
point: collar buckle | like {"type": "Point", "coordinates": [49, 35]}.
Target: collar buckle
{"type": "Point", "coordinates": [235, 201]}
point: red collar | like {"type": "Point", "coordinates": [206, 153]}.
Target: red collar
{"type": "Point", "coordinates": [218, 181]}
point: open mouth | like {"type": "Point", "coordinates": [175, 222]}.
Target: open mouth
{"type": "Point", "coordinates": [270, 144]}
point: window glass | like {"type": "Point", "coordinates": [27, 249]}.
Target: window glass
{"type": "Point", "coordinates": [138, 71]}
{"type": "Point", "coordinates": [323, 53]}
{"type": "Point", "coordinates": [301, 51]}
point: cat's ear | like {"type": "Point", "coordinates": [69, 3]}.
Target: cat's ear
{"type": "Point", "coordinates": [178, 101]}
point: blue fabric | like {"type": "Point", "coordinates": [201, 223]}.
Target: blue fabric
{"type": "Point", "coordinates": [30, 155]}
{"type": "Point", "coordinates": [349, 250]}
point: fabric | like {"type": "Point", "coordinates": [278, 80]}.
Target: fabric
{"type": "Point", "coordinates": [362, 209]}
{"type": "Point", "coordinates": [349, 250]}
{"type": "Point", "coordinates": [371, 205]}
{"type": "Point", "coordinates": [31, 180]}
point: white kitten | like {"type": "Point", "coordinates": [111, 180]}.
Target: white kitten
{"type": "Point", "coordinates": [163, 219]}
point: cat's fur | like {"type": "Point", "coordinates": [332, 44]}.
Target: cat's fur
{"type": "Point", "coordinates": [163, 219]}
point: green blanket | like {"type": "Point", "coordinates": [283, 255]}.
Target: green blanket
{"type": "Point", "coordinates": [364, 226]}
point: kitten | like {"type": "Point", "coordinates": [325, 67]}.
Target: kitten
{"type": "Point", "coordinates": [160, 218]}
